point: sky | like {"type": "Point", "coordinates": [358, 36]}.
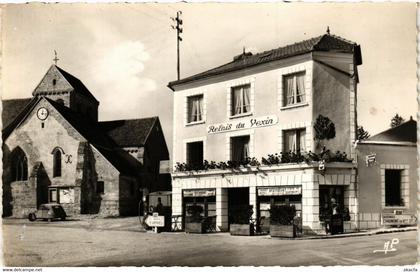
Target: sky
{"type": "Point", "coordinates": [126, 53]}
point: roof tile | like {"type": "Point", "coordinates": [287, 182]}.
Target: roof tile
{"type": "Point", "coordinates": [320, 43]}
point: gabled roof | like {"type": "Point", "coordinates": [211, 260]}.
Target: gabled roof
{"type": "Point", "coordinates": [321, 43]}
{"type": "Point", "coordinates": [406, 132]}
{"type": "Point", "coordinates": [56, 80]}
{"type": "Point", "coordinates": [11, 109]}
{"type": "Point", "coordinates": [93, 133]}
{"type": "Point", "coordinates": [126, 133]}
{"type": "Point", "coordinates": [19, 114]}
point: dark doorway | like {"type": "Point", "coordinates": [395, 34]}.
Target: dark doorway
{"type": "Point", "coordinates": [237, 197]}
{"type": "Point", "coordinates": [42, 183]}
{"type": "Point", "coordinates": [393, 188]}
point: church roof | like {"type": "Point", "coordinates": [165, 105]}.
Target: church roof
{"type": "Point", "coordinates": [93, 133]}
{"type": "Point", "coordinates": [56, 80]}
{"type": "Point", "coordinates": [406, 132]}
{"type": "Point", "coordinates": [132, 132]}
{"type": "Point", "coordinates": [11, 108]}
{"type": "Point", "coordinates": [325, 42]}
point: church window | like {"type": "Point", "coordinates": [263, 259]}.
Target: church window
{"type": "Point", "coordinates": [100, 187]}
{"type": "Point", "coordinates": [57, 163]}
{"type": "Point", "coordinates": [19, 169]}
{"type": "Point", "coordinates": [132, 188]}
{"type": "Point", "coordinates": [60, 101]}
{"type": "Point", "coordinates": [54, 82]}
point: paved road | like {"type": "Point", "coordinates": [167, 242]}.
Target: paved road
{"type": "Point", "coordinates": [38, 245]}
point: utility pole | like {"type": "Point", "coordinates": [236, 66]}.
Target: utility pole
{"type": "Point", "coordinates": [178, 28]}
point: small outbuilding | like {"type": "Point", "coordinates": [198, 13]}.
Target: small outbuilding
{"type": "Point", "coordinates": [387, 177]}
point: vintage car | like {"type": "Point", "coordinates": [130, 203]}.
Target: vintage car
{"type": "Point", "coordinates": [48, 212]}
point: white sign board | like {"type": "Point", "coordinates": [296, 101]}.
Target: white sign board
{"type": "Point", "coordinates": [199, 193]}
{"type": "Point", "coordinates": [155, 220]}
{"type": "Point", "coordinates": [239, 124]}
{"type": "Point", "coordinates": [280, 191]}
{"type": "Point", "coordinates": [66, 195]}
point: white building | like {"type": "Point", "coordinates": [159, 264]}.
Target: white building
{"type": "Point", "coordinates": [263, 104]}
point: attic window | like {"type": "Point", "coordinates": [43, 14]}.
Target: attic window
{"type": "Point", "coordinates": [54, 82]}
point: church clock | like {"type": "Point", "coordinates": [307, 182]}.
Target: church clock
{"type": "Point", "coordinates": [42, 113]}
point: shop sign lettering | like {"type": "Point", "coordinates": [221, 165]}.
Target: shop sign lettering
{"type": "Point", "coordinates": [199, 193]}
{"type": "Point", "coordinates": [280, 191]}
{"type": "Point", "coordinates": [257, 122]}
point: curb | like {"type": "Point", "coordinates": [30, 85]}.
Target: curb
{"type": "Point", "coordinates": [362, 233]}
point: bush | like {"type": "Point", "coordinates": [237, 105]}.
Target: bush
{"type": "Point", "coordinates": [241, 214]}
{"type": "Point", "coordinates": [195, 214]}
{"type": "Point", "coordinates": [282, 214]}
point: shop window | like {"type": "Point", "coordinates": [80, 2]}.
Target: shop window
{"type": "Point", "coordinates": [241, 102]}
{"type": "Point", "coordinates": [19, 165]}
{"type": "Point", "coordinates": [100, 188]}
{"type": "Point", "coordinates": [208, 205]}
{"type": "Point", "coordinates": [294, 89]}
{"type": "Point", "coordinates": [195, 153]}
{"type": "Point", "coordinates": [393, 188]}
{"type": "Point", "coordinates": [331, 201]}
{"type": "Point", "coordinates": [240, 148]}
{"type": "Point", "coordinates": [195, 108]}
{"type": "Point", "coordinates": [57, 163]}
{"type": "Point", "coordinates": [294, 140]}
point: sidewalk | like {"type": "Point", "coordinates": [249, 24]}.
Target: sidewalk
{"type": "Point", "coordinates": [361, 233]}
{"type": "Point", "coordinates": [92, 222]}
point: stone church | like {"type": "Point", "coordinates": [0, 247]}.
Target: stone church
{"type": "Point", "coordinates": [56, 151]}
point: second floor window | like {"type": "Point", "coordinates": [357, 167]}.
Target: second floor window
{"type": "Point", "coordinates": [240, 148]}
{"type": "Point", "coordinates": [195, 108]}
{"type": "Point", "coordinates": [294, 140]}
{"type": "Point", "coordinates": [294, 89]}
{"type": "Point", "coordinates": [241, 102]}
{"type": "Point", "coordinates": [195, 154]}
{"type": "Point", "coordinates": [57, 163]}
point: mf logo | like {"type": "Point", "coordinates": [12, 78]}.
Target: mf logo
{"type": "Point", "coordinates": [388, 246]}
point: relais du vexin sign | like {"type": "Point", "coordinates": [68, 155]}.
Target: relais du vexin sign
{"type": "Point", "coordinates": [234, 125]}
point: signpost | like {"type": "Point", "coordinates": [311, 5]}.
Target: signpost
{"type": "Point", "coordinates": [155, 221]}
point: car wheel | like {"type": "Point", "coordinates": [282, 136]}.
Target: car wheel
{"type": "Point", "coordinates": [32, 217]}
{"type": "Point", "coordinates": [63, 218]}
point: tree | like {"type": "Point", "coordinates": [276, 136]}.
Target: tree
{"type": "Point", "coordinates": [324, 128]}
{"type": "Point", "coordinates": [362, 133]}
{"type": "Point", "coordinates": [396, 120]}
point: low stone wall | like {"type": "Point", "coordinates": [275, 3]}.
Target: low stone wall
{"type": "Point", "coordinates": [24, 198]}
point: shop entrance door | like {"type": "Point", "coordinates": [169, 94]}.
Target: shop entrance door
{"type": "Point", "coordinates": [236, 197]}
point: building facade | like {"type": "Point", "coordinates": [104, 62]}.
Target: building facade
{"type": "Point", "coordinates": [387, 171]}
{"type": "Point", "coordinates": [56, 151]}
{"type": "Point", "coordinates": [260, 106]}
